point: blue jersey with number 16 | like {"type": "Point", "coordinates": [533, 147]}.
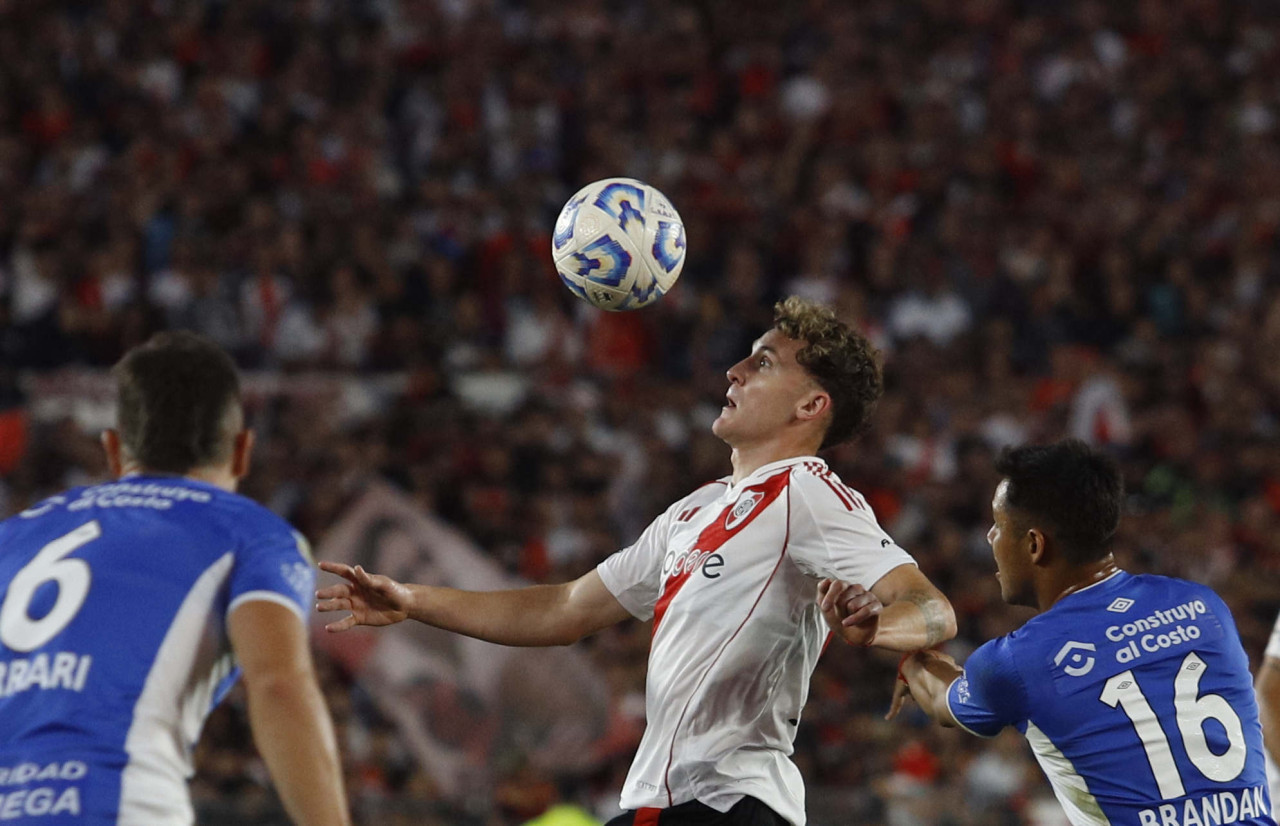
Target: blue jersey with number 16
{"type": "Point", "coordinates": [113, 641]}
{"type": "Point", "coordinates": [1136, 697]}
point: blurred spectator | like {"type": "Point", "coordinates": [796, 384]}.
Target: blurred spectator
{"type": "Point", "coordinates": [1054, 218]}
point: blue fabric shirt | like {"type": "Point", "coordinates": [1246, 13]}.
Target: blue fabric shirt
{"type": "Point", "coordinates": [1136, 697]}
{"type": "Point", "coordinates": [113, 641]}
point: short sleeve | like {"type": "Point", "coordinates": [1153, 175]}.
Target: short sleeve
{"type": "Point", "coordinates": [274, 566]}
{"type": "Point", "coordinates": [989, 695]}
{"type": "Point", "coordinates": [634, 574]}
{"type": "Point", "coordinates": [833, 533]}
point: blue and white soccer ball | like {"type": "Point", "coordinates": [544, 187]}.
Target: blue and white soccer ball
{"type": "Point", "coordinates": [618, 244]}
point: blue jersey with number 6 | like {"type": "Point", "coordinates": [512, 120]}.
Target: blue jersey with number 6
{"type": "Point", "coordinates": [113, 641]}
{"type": "Point", "coordinates": [1136, 698]}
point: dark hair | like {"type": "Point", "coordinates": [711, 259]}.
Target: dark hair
{"type": "Point", "coordinates": [178, 403]}
{"type": "Point", "coordinates": [1072, 491]}
{"type": "Point", "coordinates": [841, 360]}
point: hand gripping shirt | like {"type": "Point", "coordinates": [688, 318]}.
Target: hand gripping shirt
{"type": "Point", "coordinates": [113, 641]}
{"type": "Point", "coordinates": [1136, 698]}
{"type": "Point", "coordinates": [728, 575]}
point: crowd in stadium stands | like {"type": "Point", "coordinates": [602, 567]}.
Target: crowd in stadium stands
{"type": "Point", "coordinates": [1053, 218]}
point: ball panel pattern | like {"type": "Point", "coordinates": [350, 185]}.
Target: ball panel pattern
{"type": "Point", "coordinates": [618, 244]}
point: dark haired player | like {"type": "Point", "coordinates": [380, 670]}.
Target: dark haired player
{"type": "Point", "coordinates": [1133, 691]}
{"type": "Point", "coordinates": [130, 608]}
{"type": "Point", "coordinates": [728, 575]}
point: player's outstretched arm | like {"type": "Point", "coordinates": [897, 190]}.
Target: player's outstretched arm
{"type": "Point", "coordinates": [533, 616]}
{"type": "Point", "coordinates": [928, 675]}
{"type": "Point", "coordinates": [1268, 691]}
{"type": "Point", "coordinates": [914, 615]}
{"type": "Point", "coordinates": [287, 713]}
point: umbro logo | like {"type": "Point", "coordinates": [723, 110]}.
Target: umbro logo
{"type": "Point", "coordinates": [743, 509]}
{"type": "Point", "coordinates": [1120, 605]}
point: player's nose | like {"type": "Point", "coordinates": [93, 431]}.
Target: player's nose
{"type": "Point", "coordinates": [991, 535]}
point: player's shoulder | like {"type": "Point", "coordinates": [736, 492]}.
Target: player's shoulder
{"type": "Point", "coordinates": [701, 495]}
{"type": "Point", "coordinates": [1169, 584]}
{"type": "Point", "coordinates": [1134, 594]}
{"type": "Point", "coordinates": [999, 660]}
{"type": "Point", "coordinates": [251, 521]}
{"type": "Point", "coordinates": [821, 486]}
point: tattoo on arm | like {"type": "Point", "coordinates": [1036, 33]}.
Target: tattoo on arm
{"type": "Point", "coordinates": [935, 618]}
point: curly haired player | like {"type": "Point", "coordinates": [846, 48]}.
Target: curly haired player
{"type": "Point", "coordinates": [728, 575]}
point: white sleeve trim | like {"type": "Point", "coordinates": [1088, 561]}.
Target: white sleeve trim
{"type": "Point", "coordinates": [946, 697]}
{"type": "Point", "coordinates": [621, 594]}
{"type": "Point", "coordinates": [266, 596]}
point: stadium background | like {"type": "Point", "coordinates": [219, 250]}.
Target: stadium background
{"type": "Point", "coordinates": [1053, 217]}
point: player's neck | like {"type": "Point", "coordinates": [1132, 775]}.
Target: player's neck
{"type": "Point", "coordinates": [221, 477]}
{"type": "Point", "coordinates": [747, 459]}
{"type": "Point", "coordinates": [1075, 579]}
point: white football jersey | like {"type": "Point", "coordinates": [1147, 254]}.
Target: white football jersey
{"type": "Point", "coordinates": [728, 574]}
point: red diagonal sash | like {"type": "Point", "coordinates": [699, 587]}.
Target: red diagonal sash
{"type": "Point", "coordinates": [723, 528]}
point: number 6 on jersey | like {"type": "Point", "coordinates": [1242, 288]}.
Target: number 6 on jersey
{"type": "Point", "coordinates": [17, 630]}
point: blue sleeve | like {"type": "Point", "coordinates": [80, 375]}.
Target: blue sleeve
{"type": "Point", "coordinates": [274, 565]}
{"type": "Point", "coordinates": [989, 695]}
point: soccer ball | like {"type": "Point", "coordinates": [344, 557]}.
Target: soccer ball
{"type": "Point", "coordinates": [618, 244]}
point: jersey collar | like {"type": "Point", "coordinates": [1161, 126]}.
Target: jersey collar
{"type": "Point", "coordinates": [1092, 585]}
{"type": "Point", "coordinates": [731, 490]}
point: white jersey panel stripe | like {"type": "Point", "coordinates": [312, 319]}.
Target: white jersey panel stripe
{"type": "Point", "coordinates": [153, 788]}
{"type": "Point", "coordinates": [1079, 804]}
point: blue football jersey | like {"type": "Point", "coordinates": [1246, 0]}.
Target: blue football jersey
{"type": "Point", "coordinates": [1136, 697]}
{"type": "Point", "coordinates": [113, 641]}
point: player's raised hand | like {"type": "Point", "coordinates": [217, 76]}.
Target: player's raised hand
{"type": "Point", "coordinates": [372, 599]}
{"type": "Point", "coordinates": [850, 610]}
{"type": "Point", "coordinates": [901, 691]}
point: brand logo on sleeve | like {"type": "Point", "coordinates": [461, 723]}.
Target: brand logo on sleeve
{"type": "Point", "coordinates": [743, 509]}
{"type": "Point", "coordinates": [1072, 651]}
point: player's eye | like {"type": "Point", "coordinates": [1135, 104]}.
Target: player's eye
{"type": "Point", "coordinates": [764, 361]}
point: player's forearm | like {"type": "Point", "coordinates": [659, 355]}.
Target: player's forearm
{"type": "Point", "coordinates": [914, 621]}
{"type": "Point", "coordinates": [292, 730]}
{"type": "Point", "coordinates": [929, 677]}
{"type": "Point", "coordinates": [534, 616]}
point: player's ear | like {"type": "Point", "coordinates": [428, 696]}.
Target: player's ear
{"type": "Point", "coordinates": [815, 405]}
{"type": "Point", "coordinates": [111, 446]}
{"type": "Point", "coordinates": [241, 453]}
{"type": "Point", "coordinates": [1036, 546]}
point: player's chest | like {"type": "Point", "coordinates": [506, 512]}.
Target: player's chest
{"type": "Point", "coordinates": [725, 543]}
